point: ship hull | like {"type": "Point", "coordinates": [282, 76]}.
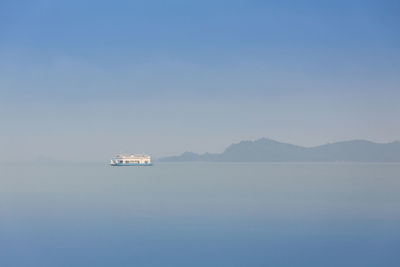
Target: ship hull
{"type": "Point", "coordinates": [131, 164]}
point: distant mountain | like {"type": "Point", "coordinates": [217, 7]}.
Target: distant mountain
{"type": "Point", "coordinates": [267, 150]}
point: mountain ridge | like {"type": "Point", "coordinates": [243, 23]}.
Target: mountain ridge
{"type": "Point", "coordinates": [268, 150]}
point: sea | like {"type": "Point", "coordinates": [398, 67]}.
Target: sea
{"type": "Point", "coordinates": [200, 214]}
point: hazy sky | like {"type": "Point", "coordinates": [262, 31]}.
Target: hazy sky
{"type": "Point", "coordinates": [81, 79]}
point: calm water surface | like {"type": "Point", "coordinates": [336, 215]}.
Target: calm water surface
{"type": "Point", "coordinates": [200, 215]}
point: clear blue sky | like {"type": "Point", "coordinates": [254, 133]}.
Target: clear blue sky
{"type": "Point", "coordinates": [94, 78]}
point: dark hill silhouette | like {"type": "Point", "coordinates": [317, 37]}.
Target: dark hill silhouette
{"type": "Point", "coordinates": [267, 150]}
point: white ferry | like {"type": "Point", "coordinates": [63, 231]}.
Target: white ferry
{"type": "Point", "coordinates": [131, 160]}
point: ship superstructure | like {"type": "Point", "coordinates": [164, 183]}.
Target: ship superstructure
{"type": "Point", "coordinates": [131, 160]}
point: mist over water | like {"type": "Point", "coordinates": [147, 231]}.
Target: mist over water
{"type": "Point", "coordinates": [219, 81]}
{"type": "Point", "coordinates": [200, 214]}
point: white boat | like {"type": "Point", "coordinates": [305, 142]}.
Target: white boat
{"type": "Point", "coordinates": [131, 160]}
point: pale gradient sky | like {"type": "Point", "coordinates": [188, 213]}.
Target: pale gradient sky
{"type": "Point", "coordinates": [82, 79]}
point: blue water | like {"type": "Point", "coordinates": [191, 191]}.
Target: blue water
{"type": "Point", "coordinates": [200, 215]}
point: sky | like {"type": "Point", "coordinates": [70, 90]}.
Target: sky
{"type": "Point", "coordinates": [85, 80]}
